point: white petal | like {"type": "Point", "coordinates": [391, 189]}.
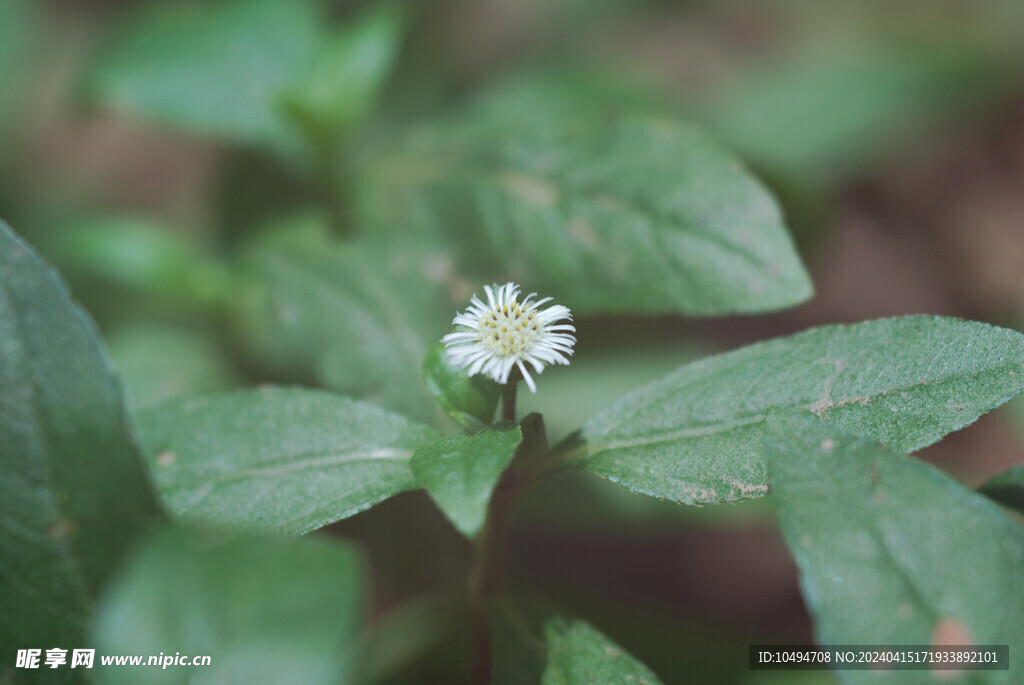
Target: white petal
{"type": "Point", "coordinates": [526, 377]}
{"type": "Point", "coordinates": [460, 337]}
{"type": "Point", "coordinates": [507, 369]}
{"type": "Point", "coordinates": [554, 313]}
{"type": "Point", "coordinates": [537, 364]}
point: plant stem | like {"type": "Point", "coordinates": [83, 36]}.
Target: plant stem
{"type": "Point", "coordinates": [485, 577]}
{"type": "Point", "coordinates": [508, 398]}
{"type": "Point", "coordinates": [486, 573]}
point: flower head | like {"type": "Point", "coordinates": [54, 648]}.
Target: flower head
{"type": "Point", "coordinates": [504, 333]}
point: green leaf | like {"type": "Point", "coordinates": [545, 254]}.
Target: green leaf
{"type": "Point", "coordinates": [608, 211]}
{"type": "Point", "coordinates": [135, 253]}
{"type": "Point", "coordinates": [825, 114]}
{"type": "Point", "coordinates": [263, 609]}
{"type": "Point", "coordinates": [74, 493]}
{"type": "Point", "coordinates": [210, 68]}
{"type": "Point", "coordinates": [461, 471]}
{"type": "Point", "coordinates": [530, 645]}
{"type": "Point", "coordinates": [346, 78]}
{"type": "Point", "coordinates": [353, 317]}
{"type": "Point", "coordinates": [891, 550]}
{"type": "Point", "coordinates": [399, 641]}
{"type": "Point", "coordinates": [1007, 488]}
{"type": "Point", "coordinates": [695, 436]}
{"type": "Point", "coordinates": [282, 459]}
{"type": "Point", "coordinates": [469, 400]}
{"type": "Point", "coordinates": [599, 377]}
{"type": "Point", "coordinates": [19, 32]}
{"type": "Point", "coordinates": [158, 362]}
{"type": "Point", "coordinates": [579, 654]}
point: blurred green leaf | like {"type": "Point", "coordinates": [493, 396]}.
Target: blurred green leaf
{"type": "Point", "coordinates": [351, 316]}
{"type": "Point", "coordinates": [211, 68]}
{"type": "Point", "coordinates": [609, 211]}
{"type": "Point", "coordinates": [578, 654]}
{"type": "Point", "coordinates": [518, 651]}
{"type": "Point", "coordinates": [695, 436]}
{"type": "Point", "coordinates": [74, 493]}
{"type": "Point", "coordinates": [460, 472]}
{"type": "Point", "coordinates": [823, 115]}
{"type": "Point", "coordinates": [137, 254]}
{"type": "Point", "coordinates": [346, 78]}
{"type": "Point", "coordinates": [531, 645]}
{"type": "Point", "coordinates": [158, 362]}
{"type": "Point", "coordinates": [283, 459]}
{"type": "Point", "coordinates": [469, 400]}
{"type": "Point", "coordinates": [399, 641]}
{"type": "Point", "coordinates": [893, 551]}
{"type": "Point", "coordinates": [18, 32]}
{"type": "Point", "coordinates": [790, 678]}
{"type": "Point", "coordinates": [677, 647]}
{"type": "Point", "coordinates": [264, 610]}
{"type": "Point", "coordinates": [1007, 488]}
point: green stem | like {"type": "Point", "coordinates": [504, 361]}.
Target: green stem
{"type": "Point", "coordinates": [508, 398]}
{"type": "Point", "coordinates": [485, 575]}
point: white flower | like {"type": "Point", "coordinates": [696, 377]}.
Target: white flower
{"type": "Point", "coordinates": [492, 338]}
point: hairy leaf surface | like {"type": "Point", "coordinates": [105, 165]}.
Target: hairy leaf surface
{"type": "Point", "coordinates": [460, 473]}
{"type": "Point", "coordinates": [74, 493]}
{"type": "Point", "coordinates": [348, 316]}
{"type": "Point", "coordinates": [608, 211]}
{"type": "Point", "coordinates": [695, 436]}
{"type": "Point", "coordinates": [893, 551]}
{"type": "Point", "coordinates": [282, 459]}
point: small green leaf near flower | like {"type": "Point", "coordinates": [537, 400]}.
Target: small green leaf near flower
{"type": "Point", "coordinates": [469, 400]}
{"type": "Point", "coordinates": [460, 472]}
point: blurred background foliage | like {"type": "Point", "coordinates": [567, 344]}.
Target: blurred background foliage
{"type": "Point", "coordinates": [231, 190]}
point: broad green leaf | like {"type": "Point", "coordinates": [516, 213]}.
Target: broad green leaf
{"type": "Point", "coordinates": [531, 645]}
{"type": "Point", "coordinates": [345, 80]}
{"type": "Point", "coordinates": [460, 473]}
{"type": "Point", "coordinates": [74, 493]}
{"type": "Point", "coordinates": [893, 551]}
{"type": "Point", "coordinates": [1006, 488]}
{"type": "Point", "coordinates": [578, 654]}
{"type": "Point", "coordinates": [212, 68]}
{"type": "Point", "coordinates": [264, 610]}
{"type": "Point", "coordinates": [695, 436]}
{"type": "Point", "coordinates": [159, 362]}
{"type": "Point", "coordinates": [283, 459]}
{"type": "Point", "coordinates": [469, 400]}
{"type": "Point", "coordinates": [608, 211]}
{"type": "Point", "coordinates": [355, 318]}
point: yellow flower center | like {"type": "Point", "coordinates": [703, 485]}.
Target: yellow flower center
{"type": "Point", "coordinates": [508, 330]}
